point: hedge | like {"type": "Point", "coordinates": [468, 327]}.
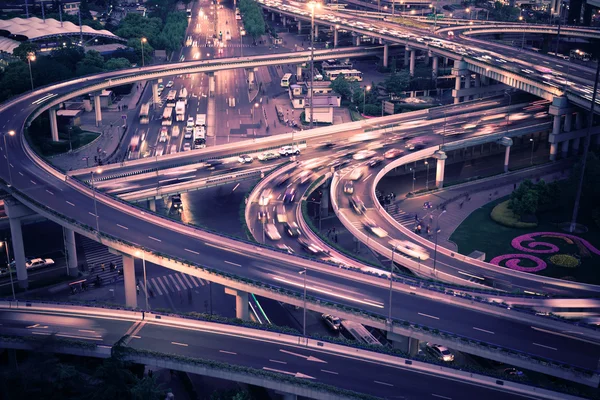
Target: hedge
{"type": "Point", "coordinates": [504, 216]}
{"type": "Point", "coordinates": [564, 260]}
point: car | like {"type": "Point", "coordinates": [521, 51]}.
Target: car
{"type": "Point", "coordinates": [188, 132]}
{"type": "Point", "coordinates": [187, 146]}
{"type": "Point", "coordinates": [39, 263]}
{"type": "Point", "coordinates": [175, 131]}
{"type": "Point", "coordinates": [393, 153]}
{"type": "Point", "coordinates": [513, 372]}
{"type": "Point", "coordinates": [268, 155]}
{"type": "Point", "coordinates": [170, 84]}
{"type": "Point", "coordinates": [333, 323]}
{"type": "Point", "coordinates": [409, 248]}
{"type": "Point", "coordinates": [357, 205]}
{"type": "Point", "coordinates": [290, 195]}
{"type": "Point", "coordinates": [363, 154]}
{"type": "Point", "coordinates": [176, 202]}
{"type": "Point", "coordinates": [292, 229]}
{"type": "Point", "coordinates": [348, 187]}
{"type": "Point", "coordinates": [271, 231]}
{"type": "Point", "coordinates": [374, 162]}
{"type": "Point", "coordinates": [190, 122]}
{"type": "Point", "coordinates": [161, 87]}
{"type": "Point", "coordinates": [265, 197]}
{"type": "Point", "coordinates": [263, 215]}
{"type": "Point", "coordinates": [311, 247]}
{"type": "Point", "coordinates": [285, 247]}
{"type": "Point", "coordinates": [374, 228]}
{"type": "Point", "coordinates": [417, 144]}
{"type": "Point", "coordinates": [325, 145]}
{"type": "Point", "coordinates": [159, 151]}
{"type": "Point", "coordinates": [281, 213]}
{"type": "Point", "coordinates": [289, 150]}
{"type": "Point", "coordinates": [163, 136]}
{"type": "Point", "coordinates": [356, 174]}
{"type": "Point", "coordinates": [245, 159]}
{"type": "Point", "coordinates": [440, 352]}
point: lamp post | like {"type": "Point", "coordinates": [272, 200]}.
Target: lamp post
{"type": "Point", "coordinates": [253, 113]}
{"type": "Point", "coordinates": [10, 133]}
{"type": "Point", "coordinates": [413, 183]}
{"type": "Point", "coordinates": [242, 34]}
{"type": "Point", "coordinates": [437, 230]}
{"type": "Point", "coordinates": [138, 254]}
{"type": "Point", "coordinates": [532, 143]}
{"type": "Point", "coordinates": [143, 40]}
{"type": "Point", "coordinates": [303, 272]}
{"type": "Point", "coordinates": [30, 58]}
{"type": "Point", "coordinates": [312, 5]}
{"type": "Point", "coordinates": [12, 285]}
{"type": "Point", "coordinates": [523, 38]}
{"type": "Point", "coordinates": [427, 180]}
{"type": "Point", "coordinates": [434, 17]}
{"type": "Point", "coordinates": [468, 10]}
{"type": "Point", "coordinates": [391, 281]}
{"type": "Point", "coordinates": [367, 88]}
{"type": "Point", "coordinates": [98, 171]}
{"type": "Point", "coordinates": [508, 111]}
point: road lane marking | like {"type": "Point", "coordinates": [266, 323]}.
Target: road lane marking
{"type": "Point", "coordinates": [329, 372]}
{"type": "Point", "coordinates": [136, 336]}
{"type": "Point", "coordinates": [278, 362]}
{"type": "Point", "coordinates": [224, 248]}
{"type": "Point", "coordinates": [78, 337]}
{"type": "Point", "coordinates": [20, 173]}
{"type": "Point", "coordinates": [483, 330]}
{"type": "Point", "coordinates": [232, 263]}
{"type": "Point", "coordinates": [296, 374]}
{"type": "Point", "coordinates": [91, 213]}
{"type": "Point", "coordinates": [564, 335]}
{"type": "Point", "coordinates": [428, 316]}
{"type": "Point", "coordinates": [32, 182]}
{"type": "Point", "coordinates": [546, 347]}
{"type": "Point", "coordinates": [68, 202]}
{"type": "Point", "coordinates": [228, 352]}
{"type": "Point", "coordinates": [383, 383]}
{"type": "Point", "coordinates": [153, 238]}
{"type": "Point", "coordinates": [308, 358]}
{"type": "Point", "coordinates": [179, 344]}
{"type": "Point", "coordinates": [86, 331]}
{"type": "Point", "coordinates": [441, 397]}
{"type": "Point", "coordinates": [368, 176]}
{"type": "Point", "coordinates": [121, 226]}
{"type": "Point", "coordinates": [191, 251]}
{"type": "Point", "coordinates": [50, 192]}
{"type": "Point", "coordinates": [235, 187]}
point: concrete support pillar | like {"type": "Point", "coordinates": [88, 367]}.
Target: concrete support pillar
{"type": "Point", "coordinates": [357, 40]}
{"type": "Point", "coordinates": [406, 56]}
{"type": "Point", "coordinates": [152, 205]}
{"type": "Point", "coordinates": [477, 80]}
{"type": "Point", "coordinates": [413, 346]}
{"type": "Point", "coordinates": [565, 148]}
{"type": "Point", "coordinates": [579, 120]}
{"type": "Point", "coordinates": [53, 124]}
{"type": "Point", "coordinates": [299, 72]}
{"type": "Point", "coordinates": [556, 125]}
{"type": "Point", "coordinates": [506, 158]}
{"type": "Point", "coordinates": [468, 84]}
{"type": "Point", "coordinates": [241, 303]}
{"type": "Point", "coordinates": [155, 96]}
{"type": "Point", "coordinates": [272, 16]}
{"type": "Point", "coordinates": [71, 250]}
{"type": "Point", "coordinates": [289, 396]}
{"type": "Point", "coordinates": [413, 59]}
{"type": "Point", "coordinates": [18, 249]}
{"type": "Point", "coordinates": [325, 202]}
{"type": "Point", "coordinates": [98, 109]}
{"type": "Point", "coordinates": [129, 281]}
{"type": "Point", "coordinates": [426, 59]}
{"type": "Point", "coordinates": [211, 84]}
{"type": "Point", "coordinates": [316, 31]}
{"type": "Point", "coordinates": [434, 67]}
{"type": "Point", "coordinates": [568, 121]}
{"type": "Point", "coordinates": [553, 151]}
{"type": "Point", "coordinates": [283, 21]}
{"type": "Point", "coordinates": [299, 26]}
{"type": "Point", "coordinates": [335, 38]}
{"type": "Point", "coordinates": [385, 55]}
{"type": "Point", "coordinates": [576, 143]}
{"type": "Point", "coordinates": [457, 88]}
{"type": "Point", "coordinates": [440, 156]}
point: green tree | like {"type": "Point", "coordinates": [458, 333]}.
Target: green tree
{"type": "Point", "coordinates": [147, 389]}
{"type": "Point", "coordinates": [135, 26]}
{"type": "Point", "coordinates": [397, 82]}
{"type": "Point", "coordinates": [24, 49]}
{"type": "Point", "coordinates": [252, 17]}
{"type": "Point", "coordinates": [117, 63]}
{"type": "Point", "coordinates": [115, 380]}
{"type": "Point", "coordinates": [342, 86]}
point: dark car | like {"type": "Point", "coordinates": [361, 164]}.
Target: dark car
{"type": "Point", "coordinates": [213, 163]}
{"type": "Point", "coordinates": [357, 205]}
{"type": "Point", "coordinates": [292, 229]}
{"type": "Point", "coordinates": [290, 195]}
{"type": "Point", "coordinates": [176, 202]}
{"type": "Point", "coordinates": [375, 162]}
{"type": "Point", "coordinates": [348, 187]}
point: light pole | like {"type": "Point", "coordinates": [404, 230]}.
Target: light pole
{"type": "Point", "coordinates": [413, 185]}
{"type": "Point", "coordinates": [98, 171]}
{"type": "Point", "coordinates": [30, 58]}
{"type": "Point", "coordinates": [138, 254]}
{"type": "Point", "coordinates": [508, 111]}
{"type": "Point", "coordinates": [242, 34]}
{"type": "Point", "coordinates": [303, 272]}
{"type": "Point", "coordinates": [427, 180]}
{"type": "Point", "coordinates": [253, 114]}
{"type": "Point", "coordinates": [434, 17]}
{"type": "Point", "coordinates": [367, 88]}
{"type": "Point", "coordinates": [391, 281]}
{"type": "Point", "coordinates": [532, 143]}
{"type": "Point", "coordinates": [468, 10]}
{"type": "Point", "coordinates": [12, 285]}
{"type": "Point", "coordinates": [523, 38]}
{"type": "Point", "coordinates": [312, 5]}
{"type": "Point", "coordinates": [10, 133]}
{"type": "Point", "coordinates": [143, 40]}
{"type": "Point", "coordinates": [437, 230]}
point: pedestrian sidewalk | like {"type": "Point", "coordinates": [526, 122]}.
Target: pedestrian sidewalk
{"type": "Point", "coordinates": [462, 200]}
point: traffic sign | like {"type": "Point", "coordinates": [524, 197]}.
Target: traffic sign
{"type": "Point", "coordinates": [388, 107]}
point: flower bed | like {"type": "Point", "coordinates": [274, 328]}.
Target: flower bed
{"type": "Point", "coordinates": [564, 260]}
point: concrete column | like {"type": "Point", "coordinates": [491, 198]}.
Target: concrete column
{"type": "Point", "coordinates": [299, 72]}
{"type": "Point", "coordinates": [406, 56]}
{"type": "Point", "coordinates": [413, 346]}
{"type": "Point", "coordinates": [357, 40]}
{"type": "Point", "coordinates": [129, 281]}
{"type": "Point", "coordinates": [71, 250]}
{"type": "Point", "coordinates": [211, 84]}
{"type": "Point", "coordinates": [457, 84]}
{"type": "Point", "coordinates": [553, 151]}
{"type": "Point", "coordinates": [18, 251]}
{"type": "Point", "coordinates": [53, 124]}
{"type": "Point", "coordinates": [289, 396]}
{"type": "Point", "coordinates": [477, 80]}
{"type": "Point", "coordinates": [325, 202]}
{"type": "Point", "coordinates": [316, 31]}
{"type": "Point", "coordinates": [283, 21]}
{"type": "Point", "coordinates": [556, 125]}
{"type": "Point", "coordinates": [565, 149]}
{"type": "Point", "coordinates": [413, 59]}
{"type": "Point", "coordinates": [426, 59]}
{"type": "Point", "coordinates": [152, 205]}
{"type": "Point", "coordinates": [568, 121]}
{"type": "Point", "coordinates": [98, 109]}
{"type": "Point", "coordinates": [272, 16]}
{"type": "Point", "coordinates": [385, 55]}
{"type": "Point", "coordinates": [155, 96]}
{"type": "Point", "coordinates": [299, 26]}
{"type": "Point", "coordinates": [434, 67]}
{"type": "Point", "coordinates": [440, 156]}
{"type": "Point", "coordinates": [506, 158]}
{"type": "Point", "coordinates": [579, 120]}
{"type": "Point", "coordinates": [335, 37]}
{"type": "Point", "coordinates": [241, 303]}
{"type": "Point", "coordinates": [576, 143]}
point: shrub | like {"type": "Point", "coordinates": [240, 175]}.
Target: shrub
{"type": "Point", "coordinates": [504, 216]}
{"type": "Point", "coordinates": [564, 260]}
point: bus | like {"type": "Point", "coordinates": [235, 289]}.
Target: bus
{"type": "Point", "coordinates": [334, 64]}
{"type": "Point", "coordinates": [183, 95]}
{"type": "Point", "coordinates": [201, 120]}
{"type": "Point", "coordinates": [349, 74]}
{"type": "Point", "coordinates": [286, 80]}
{"type": "Point", "coordinates": [145, 113]}
{"type": "Point", "coordinates": [167, 118]}
{"type": "Point", "coordinates": [171, 98]}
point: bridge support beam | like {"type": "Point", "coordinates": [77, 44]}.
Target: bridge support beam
{"type": "Point", "coordinates": [272, 16]}
{"type": "Point", "coordinates": [564, 148]}
{"type": "Point", "coordinates": [460, 70]}
{"type": "Point", "coordinates": [568, 121]}
{"type": "Point", "coordinates": [434, 67]}
{"type": "Point", "coordinates": [129, 281]}
{"type": "Point", "coordinates": [241, 303]}
{"type": "Point", "coordinates": [403, 343]}
{"type": "Point", "coordinates": [283, 20]}
{"type": "Point", "coordinates": [335, 37]}
{"type": "Point", "coordinates": [440, 167]}
{"type": "Point", "coordinates": [467, 85]}
{"type": "Point", "coordinates": [457, 83]}
{"type": "Point", "coordinates": [299, 72]}
{"type": "Point", "coordinates": [155, 97]}
{"type": "Point", "coordinates": [15, 212]}
{"type": "Point", "coordinates": [385, 55]}
{"type": "Point", "coordinates": [316, 31]}
{"type": "Point", "coordinates": [576, 143]}
{"type": "Point", "coordinates": [98, 109]}
{"type": "Point", "coordinates": [53, 124]}
{"type": "Point", "coordinates": [506, 142]}
{"type": "Point", "coordinates": [71, 250]}
{"type": "Point", "coordinates": [553, 151]}
{"type": "Point", "coordinates": [413, 59]}
{"type": "Point", "coordinates": [579, 120]}
{"type": "Point", "coordinates": [152, 205]}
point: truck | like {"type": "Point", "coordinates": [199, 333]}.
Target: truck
{"type": "Point", "coordinates": [180, 111]}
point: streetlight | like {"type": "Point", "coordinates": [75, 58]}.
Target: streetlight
{"type": "Point", "coordinates": [427, 180]}
{"type": "Point", "coordinates": [253, 113]}
{"type": "Point", "coordinates": [303, 272]}
{"type": "Point", "coordinates": [468, 10]}
{"type": "Point", "coordinates": [434, 17]}
{"type": "Point", "coordinates": [138, 254]}
{"type": "Point", "coordinates": [143, 40]}
{"type": "Point", "coordinates": [508, 111]}
{"type": "Point", "coordinates": [532, 143]}
{"type": "Point", "coordinates": [391, 281]}
{"type": "Point", "coordinates": [437, 230]}
{"type": "Point", "coordinates": [12, 285]}
{"type": "Point", "coordinates": [312, 5]}
{"type": "Point", "coordinates": [413, 172]}
{"type": "Point", "coordinates": [10, 133]}
{"type": "Point", "coordinates": [242, 34]}
{"type": "Point", "coordinates": [98, 171]}
{"type": "Point", "coordinates": [367, 88]}
{"type": "Point", "coordinates": [523, 38]}
{"type": "Point", "coordinates": [30, 58]}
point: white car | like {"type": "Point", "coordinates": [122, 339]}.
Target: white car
{"type": "Point", "coordinates": [175, 131]}
{"type": "Point", "coordinates": [374, 228]}
{"type": "Point", "coordinates": [289, 150]}
{"type": "Point", "coordinates": [187, 146]}
{"type": "Point", "coordinates": [188, 132]}
{"type": "Point", "coordinates": [170, 84]}
{"type": "Point", "coordinates": [265, 197]}
{"type": "Point", "coordinates": [163, 135]}
{"type": "Point", "coordinates": [440, 352]}
{"type": "Point", "coordinates": [410, 249]}
{"type": "Point", "coordinates": [272, 232]}
{"type": "Point", "coordinates": [364, 154]}
{"type": "Point", "coordinates": [190, 122]}
{"type": "Point", "coordinates": [356, 174]}
{"type": "Point", "coordinates": [39, 263]}
{"type": "Point", "coordinates": [245, 158]}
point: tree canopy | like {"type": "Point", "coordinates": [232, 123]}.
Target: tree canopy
{"type": "Point", "coordinates": [397, 82]}
{"type": "Point", "coordinates": [252, 17]}
{"type": "Point", "coordinates": [529, 197]}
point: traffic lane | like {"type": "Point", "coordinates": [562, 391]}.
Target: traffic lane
{"type": "Point", "coordinates": [373, 378]}
{"type": "Point", "coordinates": [69, 326]}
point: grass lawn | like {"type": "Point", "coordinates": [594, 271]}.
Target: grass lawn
{"type": "Point", "coordinates": [479, 232]}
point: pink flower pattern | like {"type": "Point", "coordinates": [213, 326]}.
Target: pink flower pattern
{"type": "Point", "coordinates": [513, 261]}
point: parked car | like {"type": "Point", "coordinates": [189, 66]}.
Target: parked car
{"type": "Point", "coordinates": [332, 322]}
{"type": "Point", "coordinates": [440, 352]}
{"type": "Point", "coordinates": [164, 134]}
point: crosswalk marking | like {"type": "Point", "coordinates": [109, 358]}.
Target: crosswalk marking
{"type": "Point", "coordinates": [153, 282]}
{"type": "Point", "coordinates": [174, 283]}
{"type": "Point", "coordinates": [163, 285]}
{"type": "Point", "coordinates": [180, 281]}
{"type": "Point", "coordinates": [96, 254]}
{"type": "Point", "coordinates": [186, 280]}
